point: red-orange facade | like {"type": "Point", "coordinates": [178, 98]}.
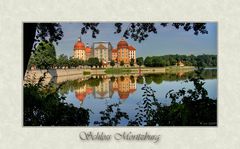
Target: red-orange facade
{"type": "Point", "coordinates": [124, 52]}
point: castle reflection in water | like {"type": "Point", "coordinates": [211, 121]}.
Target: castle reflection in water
{"type": "Point", "coordinates": [106, 87]}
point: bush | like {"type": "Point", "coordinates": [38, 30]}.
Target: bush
{"type": "Point", "coordinates": [86, 73]}
{"type": "Point", "coordinates": [44, 106]}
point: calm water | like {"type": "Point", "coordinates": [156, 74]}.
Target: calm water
{"type": "Point", "coordinates": [97, 92]}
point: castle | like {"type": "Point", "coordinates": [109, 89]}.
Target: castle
{"type": "Point", "coordinates": [105, 52]}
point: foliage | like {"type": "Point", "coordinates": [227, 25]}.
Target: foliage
{"type": "Point", "coordinates": [52, 32]}
{"type": "Point", "coordinates": [148, 61]}
{"type": "Point", "coordinates": [62, 61]}
{"type": "Point", "coordinates": [145, 113]}
{"type": "Point", "coordinates": [74, 62]}
{"type": "Point", "coordinates": [44, 56]}
{"type": "Point", "coordinates": [191, 60]}
{"type": "Point", "coordinates": [33, 33]}
{"type": "Point", "coordinates": [140, 31]}
{"type": "Point", "coordinates": [140, 80]}
{"type": "Point", "coordinates": [43, 106]}
{"type": "Point", "coordinates": [92, 27]}
{"type": "Point", "coordinates": [132, 62]}
{"type": "Point", "coordinates": [112, 78]}
{"type": "Point", "coordinates": [112, 63]}
{"type": "Point", "coordinates": [122, 63]}
{"type": "Point", "coordinates": [100, 64]}
{"type": "Point", "coordinates": [190, 107]}
{"type": "Point", "coordinates": [93, 61]}
{"type": "Point", "coordinates": [118, 71]}
{"type": "Point", "coordinates": [111, 116]}
{"type": "Point", "coordinates": [139, 61]}
{"type": "Point", "coordinates": [86, 73]}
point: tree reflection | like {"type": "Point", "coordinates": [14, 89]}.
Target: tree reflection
{"type": "Point", "coordinates": [190, 107]}
{"type": "Point", "coordinates": [44, 106]}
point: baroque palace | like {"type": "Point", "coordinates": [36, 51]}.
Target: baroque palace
{"type": "Point", "coordinates": [105, 52]}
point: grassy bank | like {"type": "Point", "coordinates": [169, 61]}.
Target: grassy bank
{"type": "Point", "coordinates": [118, 71]}
{"type": "Point", "coordinates": [86, 73]}
{"type": "Point", "coordinates": [175, 69]}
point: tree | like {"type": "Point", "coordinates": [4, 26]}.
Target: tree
{"type": "Point", "coordinates": [148, 61]}
{"type": "Point", "coordinates": [62, 61]}
{"type": "Point", "coordinates": [96, 62]}
{"type": "Point", "coordinates": [44, 106]}
{"type": "Point", "coordinates": [132, 62]}
{"type": "Point", "coordinates": [70, 62]}
{"type": "Point", "coordinates": [93, 61]}
{"type": "Point", "coordinates": [122, 63]}
{"type": "Point", "coordinates": [139, 61]}
{"type": "Point", "coordinates": [100, 64]}
{"type": "Point", "coordinates": [44, 56]}
{"type": "Point", "coordinates": [90, 62]}
{"type": "Point", "coordinates": [34, 32]}
{"type": "Point", "coordinates": [112, 63]}
{"type": "Point", "coordinates": [73, 62]}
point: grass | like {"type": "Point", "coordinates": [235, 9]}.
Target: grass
{"type": "Point", "coordinates": [174, 69]}
{"type": "Point", "coordinates": [118, 71]}
{"type": "Point", "coordinates": [86, 73]}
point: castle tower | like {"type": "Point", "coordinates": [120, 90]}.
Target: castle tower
{"type": "Point", "coordinates": [79, 50]}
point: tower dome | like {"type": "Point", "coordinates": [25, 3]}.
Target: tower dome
{"type": "Point", "coordinates": [88, 49]}
{"type": "Point", "coordinates": [79, 45]}
{"type": "Point", "coordinates": [122, 44]}
{"type": "Point", "coordinates": [131, 48]}
{"type": "Point", "coordinates": [80, 96]}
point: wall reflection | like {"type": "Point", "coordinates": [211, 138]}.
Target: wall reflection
{"type": "Point", "coordinates": [105, 86]}
{"type": "Point", "coordinates": [123, 86]}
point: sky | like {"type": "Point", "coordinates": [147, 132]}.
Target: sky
{"type": "Point", "coordinates": [168, 40]}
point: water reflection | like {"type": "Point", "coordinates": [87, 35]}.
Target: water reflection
{"type": "Point", "coordinates": [102, 87]}
{"type": "Point", "coordinates": [126, 100]}
{"type": "Point", "coordinates": [105, 86]}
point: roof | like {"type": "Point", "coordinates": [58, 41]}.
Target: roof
{"type": "Point", "coordinates": [80, 96]}
{"type": "Point", "coordinates": [122, 44]}
{"type": "Point", "coordinates": [88, 50]}
{"type": "Point", "coordinates": [89, 90]}
{"type": "Point", "coordinates": [131, 48]}
{"type": "Point", "coordinates": [101, 46]}
{"type": "Point", "coordinates": [131, 90]}
{"type": "Point", "coordinates": [79, 45]}
{"type": "Point", "coordinates": [123, 95]}
{"type": "Point", "coordinates": [114, 50]}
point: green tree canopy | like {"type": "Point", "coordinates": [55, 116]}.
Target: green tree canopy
{"type": "Point", "coordinates": [93, 61]}
{"type": "Point", "coordinates": [112, 63]}
{"type": "Point", "coordinates": [122, 63]}
{"type": "Point", "coordinates": [44, 56]}
{"type": "Point", "coordinates": [132, 62]}
{"type": "Point", "coordinates": [62, 61]}
{"type": "Point", "coordinates": [140, 61]}
{"type": "Point", "coordinates": [52, 32]}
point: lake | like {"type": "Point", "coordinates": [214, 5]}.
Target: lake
{"type": "Point", "coordinates": [97, 92]}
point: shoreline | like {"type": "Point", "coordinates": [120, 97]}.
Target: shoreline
{"type": "Point", "coordinates": [80, 71]}
{"type": "Point", "coordinates": [61, 75]}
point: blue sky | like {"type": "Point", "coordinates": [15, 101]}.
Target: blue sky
{"type": "Point", "coordinates": [168, 40]}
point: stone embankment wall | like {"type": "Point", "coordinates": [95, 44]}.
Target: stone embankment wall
{"type": "Point", "coordinates": [53, 73]}
{"type": "Point", "coordinates": [60, 75]}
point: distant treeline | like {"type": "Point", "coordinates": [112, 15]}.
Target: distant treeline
{"type": "Point", "coordinates": [191, 60]}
